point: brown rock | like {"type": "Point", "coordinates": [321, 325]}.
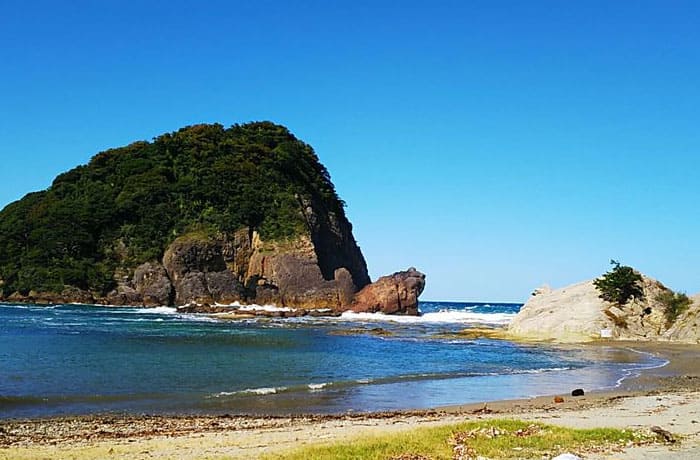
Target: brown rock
{"type": "Point", "coordinates": [290, 274]}
{"type": "Point", "coordinates": [558, 399]}
{"type": "Point", "coordinates": [392, 294]}
{"type": "Point", "coordinates": [16, 297]}
{"type": "Point", "coordinates": [71, 294]}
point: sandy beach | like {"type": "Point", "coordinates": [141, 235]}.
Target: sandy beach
{"type": "Point", "coordinates": [668, 397]}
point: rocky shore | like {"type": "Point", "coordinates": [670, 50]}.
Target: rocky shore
{"type": "Point", "coordinates": [198, 271]}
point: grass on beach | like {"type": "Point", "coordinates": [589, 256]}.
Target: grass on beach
{"type": "Point", "coordinates": [490, 439]}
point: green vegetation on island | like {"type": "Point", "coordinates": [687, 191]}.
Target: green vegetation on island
{"type": "Point", "coordinates": [675, 304]}
{"type": "Point", "coordinates": [127, 204]}
{"type": "Point", "coordinates": [620, 284]}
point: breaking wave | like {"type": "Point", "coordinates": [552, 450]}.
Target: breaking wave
{"type": "Point", "coordinates": [445, 316]}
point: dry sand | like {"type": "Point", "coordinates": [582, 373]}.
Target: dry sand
{"type": "Point", "coordinates": [668, 397]}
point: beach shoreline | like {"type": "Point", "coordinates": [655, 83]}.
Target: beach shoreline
{"type": "Point", "coordinates": [673, 387]}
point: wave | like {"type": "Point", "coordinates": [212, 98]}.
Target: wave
{"type": "Point", "coordinates": [445, 316]}
{"type": "Point", "coordinates": [252, 391]}
{"type": "Point", "coordinates": [270, 308]}
{"type": "Point", "coordinates": [654, 362]}
{"type": "Point", "coordinates": [318, 387]}
{"type": "Point", "coordinates": [157, 310]}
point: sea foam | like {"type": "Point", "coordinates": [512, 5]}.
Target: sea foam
{"type": "Point", "coordinates": [157, 310]}
{"type": "Point", "coordinates": [445, 316]}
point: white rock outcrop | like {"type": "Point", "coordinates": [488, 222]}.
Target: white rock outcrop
{"type": "Point", "coordinates": [576, 313]}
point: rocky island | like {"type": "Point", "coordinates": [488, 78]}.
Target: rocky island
{"type": "Point", "coordinates": [202, 216]}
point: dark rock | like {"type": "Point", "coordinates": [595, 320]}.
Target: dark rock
{"type": "Point", "coordinates": [16, 297]}
{"type": "Point", "coordinates": [267, 294]}
{"type": "Point", "coordinates": [205, 308]}
{"type": "Point", "coordinates": [71, 294]}
{"type": "Point", "coordinates": [665, 435]}
{"type": "Point", "coordinates": [577, 392]}
{"type": "Point", "coordinates": [198, 272]}
{"type": "Point", "coordinates": [124, 295]}
{"type": "Point", "coordinates": [152, 283]}
{"type": "Point", "coordinates": [224, 287]}
{"type": "Point", "coordinates": [323, 313]}
{"type": "Point", "coordinates": [392, 294]}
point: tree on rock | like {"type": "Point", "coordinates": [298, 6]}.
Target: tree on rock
{"type": "Point", "coordinates": [620, 284]}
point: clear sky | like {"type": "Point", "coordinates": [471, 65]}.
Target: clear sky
{"type": "Point", "coordinates": [495, 145]}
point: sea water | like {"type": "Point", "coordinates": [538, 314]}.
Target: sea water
{"type": "Point", "coordinates": [78, 359]}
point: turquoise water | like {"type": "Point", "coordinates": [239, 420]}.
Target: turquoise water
{"type": "Point", "coordinates": [72, 359]}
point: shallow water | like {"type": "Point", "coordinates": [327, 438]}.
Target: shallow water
{"type": "Point", "coordinates": [73, 359]}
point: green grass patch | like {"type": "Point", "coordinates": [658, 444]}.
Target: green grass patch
{"type": "Point", "coordinates": [493, 439]}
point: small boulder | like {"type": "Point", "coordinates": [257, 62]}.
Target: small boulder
{"type": "Point", "coordinates": [577, 392]}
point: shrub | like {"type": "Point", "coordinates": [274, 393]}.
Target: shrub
{"type": "Point", "coordinates": [620, 284]}
{"type": "Point", "coordinates": [674, 303]}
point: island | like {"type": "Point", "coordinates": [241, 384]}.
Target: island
{"type": "Point", "coordinates": [205, 217]}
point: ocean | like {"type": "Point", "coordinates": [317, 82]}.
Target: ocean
{"type": "Point", "coordinates": [77, 359]}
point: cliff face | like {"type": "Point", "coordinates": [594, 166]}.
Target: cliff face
{"type": "Point", "coordinates": [197, 269]}
{"type": "Point", "coordinates": [199, 216]}
{"type": "Point", "coordinates": [576, 313]}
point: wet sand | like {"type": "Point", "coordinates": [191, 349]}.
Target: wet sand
{"type": "Point", "coordinates": [668, 397]}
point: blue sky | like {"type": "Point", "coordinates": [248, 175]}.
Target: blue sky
{"type": "Point", "coordinates": [495, 145]}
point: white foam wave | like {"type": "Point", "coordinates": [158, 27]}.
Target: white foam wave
{"type": "Point", "coordinates": [157, 310]}
{"type": "Point", "coordinates": [447, 316]}
{"type": "Point", "coordinates": [537, 371]}
{"type": "Point", "coordinates": [636, 371]}
{"type": "Point", "coordinates": [269, 308]}
{"type": "Point", "coordinates": [255, 391]}
{"type": "Point", "coordinates": [263, 391]}
{"type": "Point", "coordinates": [317, 386]}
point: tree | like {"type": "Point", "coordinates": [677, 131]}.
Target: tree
{"type": "Point", "coordinates": [620, 284]}
{"type": "Point", "coordinates": [675, 303]}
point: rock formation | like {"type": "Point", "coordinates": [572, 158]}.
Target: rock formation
{"type": "Point", "coordinates": [198, 272]}
{"type": "Point", "coordinates": [576, 313]}
{"type": "Point", "coordinates": [392, 294]}
{"type": "Point", "coordinates": [687, 327]}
